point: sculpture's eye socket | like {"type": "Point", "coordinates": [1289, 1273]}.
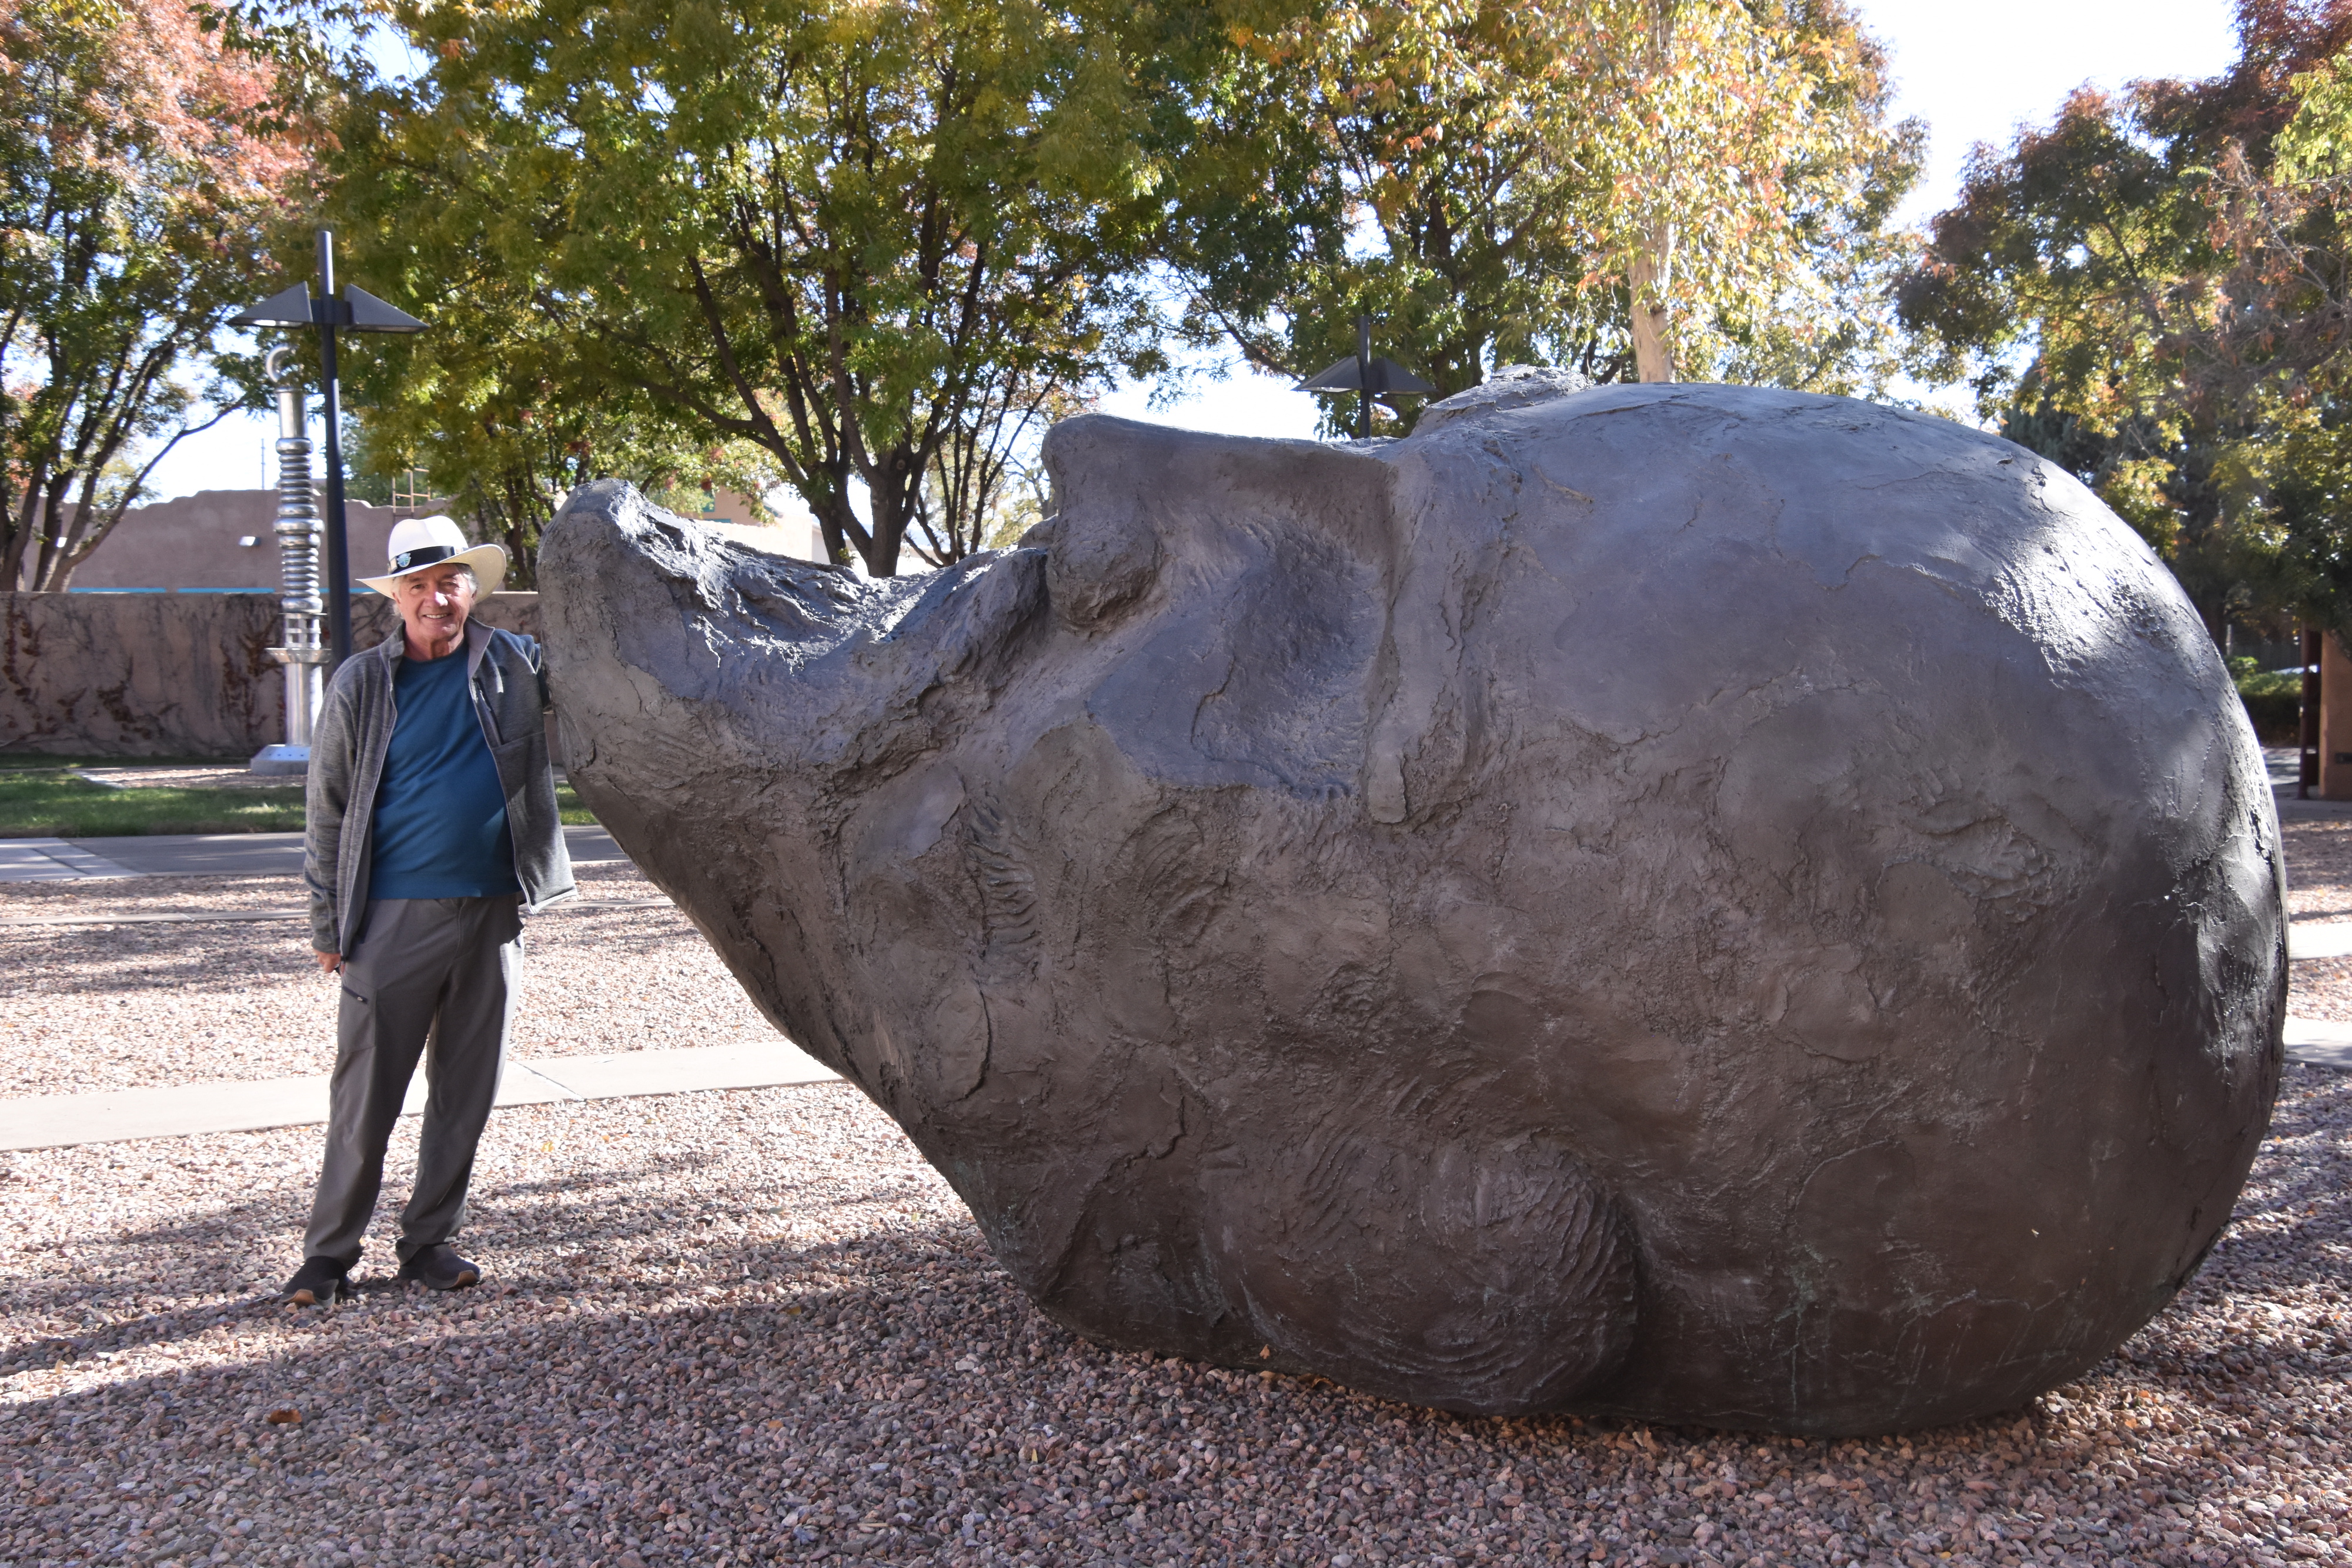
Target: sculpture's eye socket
{"type": "Point", "coordinates": [1098, 566]}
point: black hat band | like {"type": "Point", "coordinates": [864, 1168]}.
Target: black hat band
{"type": "Point", "coordinates": [410, 560]}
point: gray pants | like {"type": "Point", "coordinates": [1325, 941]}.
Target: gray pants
{"type": "Point", "coordinates": [432, 976]}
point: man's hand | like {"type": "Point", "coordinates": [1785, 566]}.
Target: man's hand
{"type": "Point", "coordinates": [330, 962]}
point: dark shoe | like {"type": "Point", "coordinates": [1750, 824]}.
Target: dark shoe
{"type": "Point", "coordinates": [439, 1267]}
{"type": "Point", "coordinates": [318, 1279]}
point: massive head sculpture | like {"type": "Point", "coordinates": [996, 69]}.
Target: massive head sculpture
{"type": "Point", "coordinates": [1710, 905]}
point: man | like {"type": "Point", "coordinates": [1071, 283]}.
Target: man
{"type": "Point", "coordinates": [432, 826]}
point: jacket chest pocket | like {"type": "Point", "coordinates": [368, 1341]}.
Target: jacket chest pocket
{"type": "Point", "coordinates": [486, 705]}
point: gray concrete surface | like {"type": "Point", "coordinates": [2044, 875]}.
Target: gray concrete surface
{"type": "Point", "coordinates": [58, 1120]}
{"type": "Point", "coordinates": [204, 854]}
{"type": "Point", "coordinates": [2306, 939]}
{"type": "Point", "coordinates": [53, 859]}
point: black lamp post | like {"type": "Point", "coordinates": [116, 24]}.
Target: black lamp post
{"type": "Point", "coordinates": [1368, 377]}
{"type": "Point", "coordinates": [357, 312]}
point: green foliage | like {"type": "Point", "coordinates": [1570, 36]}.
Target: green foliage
{"type": "Point", "coordinates": [2151, 290]}
{"type": "Point", "coordinates": [2273, 700]}
{"type": "Point", "coordinates": [1485, 180]}
{"type": "Point", "coordinates": [2317, 144]}
{"type": "Point", "coordinates": [831, 241]}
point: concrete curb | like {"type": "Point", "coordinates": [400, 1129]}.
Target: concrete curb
{"type": "Point", "coordinates": [206, 854]}
{"type": "Point", "coordinates": [2307, 940]}
{"type": "Point", "coordinates": [63, 1121]}
{"type": "Point", "coordinates": [2318, 1043]}
{"type": "Point", "coordinates": [246, 916]}
{"type": "Point", "coordinates": [53, 860]}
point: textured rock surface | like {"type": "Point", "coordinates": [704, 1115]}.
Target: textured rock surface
{"type": "Point", "coordinates": [1711, 905]}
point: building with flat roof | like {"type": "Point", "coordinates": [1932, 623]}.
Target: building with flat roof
{"type": "Point", "coordinates": [221, 541]}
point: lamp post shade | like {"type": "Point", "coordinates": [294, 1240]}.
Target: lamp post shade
{"type": "Point", "coordinates": [1368, 375]}
{"type": "Point", "coordinates": [355, 310]}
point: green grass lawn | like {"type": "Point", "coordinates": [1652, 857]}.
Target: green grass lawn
{"type": "Point", "coordinates": [45, 801]}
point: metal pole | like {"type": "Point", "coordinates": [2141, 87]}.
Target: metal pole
{"type": "Point", "coordinates": [338, 554]}
{"type": "Point", "coordinates": [1364, 378]}
{"type": "Point", "coordinates": [298, 548]}
{"type": "Point", "coordinates": [300, 645]}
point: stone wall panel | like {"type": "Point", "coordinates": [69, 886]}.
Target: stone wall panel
{"type": "Point", "coordinates": [163, 674]}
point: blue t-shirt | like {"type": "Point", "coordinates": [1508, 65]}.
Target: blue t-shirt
{"type": "Point", "coordinates": [440, 827]}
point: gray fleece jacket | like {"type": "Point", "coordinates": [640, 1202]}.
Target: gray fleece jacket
{"type": "Point", "coordinates": [509, 679]}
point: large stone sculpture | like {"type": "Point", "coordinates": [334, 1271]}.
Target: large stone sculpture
{"type": "Point", "coordinates": [1709, 905]}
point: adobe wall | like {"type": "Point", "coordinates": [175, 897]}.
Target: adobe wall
{"type": "Point", "coordinates": [2334, 720]}
{"type": "Point", "coordinates": [193, 542]}
{"type": "Point", "coordinates": [164, 674]}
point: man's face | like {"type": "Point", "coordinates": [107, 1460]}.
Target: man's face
{"type": "Point", "coordinates": [434, 604]}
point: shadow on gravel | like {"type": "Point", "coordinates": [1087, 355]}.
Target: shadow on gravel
{"type": "Point", "coordinates": [684, 1394]}
{"type": "Point", "coordinates": [214, 1254]}
{"type": "Point", "coordinates": [148, 958]}
{"type": "Point", "coordinates": [676, 1388]}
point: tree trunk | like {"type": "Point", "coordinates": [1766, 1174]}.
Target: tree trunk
{"type": "Point", "coordinates": [1653, 262]}
{"type": "Point", "coordinates": [838, 525]}
{"type": "Point", "coordinates": [1654, 354]}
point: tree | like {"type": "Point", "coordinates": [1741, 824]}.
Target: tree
{"type": "Point", "coordinates": [834, 232]}
{"type": "Point", "coordinates": [141, 161]}
{"type": "Point", "coordinates": [1500, 183]}
{"type": "Point", "coordinates": [982, 494]}
{"type": "Point", "coordinates": [478, 404]}
{"type": "Point", "coordinates": [2143, 291]}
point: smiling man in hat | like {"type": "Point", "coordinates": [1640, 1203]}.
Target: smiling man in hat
{"type": "Point", "coordinates": [432, 828]}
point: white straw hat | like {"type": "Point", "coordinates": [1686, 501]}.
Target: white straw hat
{"type": "Point", "coordinates": [419, 542]}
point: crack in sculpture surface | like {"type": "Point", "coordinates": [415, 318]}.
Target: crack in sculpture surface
{"type": "Point", "coordinates": [1709, 905]}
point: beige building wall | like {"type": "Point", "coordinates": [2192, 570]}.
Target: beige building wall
{"type": "Point", "coordinates": [219, 539]}
{"type": "Point", "coordinates": [165, 675]}
{"type": "Point", "coordinates": [222, 539]}
{"type": "Point", "coordinates": [734, 515]}
{"type": "Point", "coordinates": [2334, 721]}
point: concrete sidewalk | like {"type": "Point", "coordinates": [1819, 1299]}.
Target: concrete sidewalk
{"type": "Point", "coordinates": [60, 1121]}
{"type": "Point", "coordinates": [2316, 1042]}
{"type": "Point", "coordinates": [263, 916]}
{"type": "Point", "coordinates": [203, 854]}
{"type": "Point", "coordinates": [126, 1116]}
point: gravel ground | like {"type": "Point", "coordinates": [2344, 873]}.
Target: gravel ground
{"type": "Point", "coordinates": [2322, 989]}
{"type": "Point", "coordinates": [92, 1008]}
{"type": "Point", "coordinates": [754, 1325]}
{"type": "Point", "coordinates": [2319, 867]}
{"type": "Point", "coordinates": [2319, 892]}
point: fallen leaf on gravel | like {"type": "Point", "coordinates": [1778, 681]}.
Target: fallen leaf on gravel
{"type": "Point", "coordinates": [283, 1418]}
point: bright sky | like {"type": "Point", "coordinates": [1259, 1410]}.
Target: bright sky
{"type": "Point", "coordinates": [1973, 71]}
